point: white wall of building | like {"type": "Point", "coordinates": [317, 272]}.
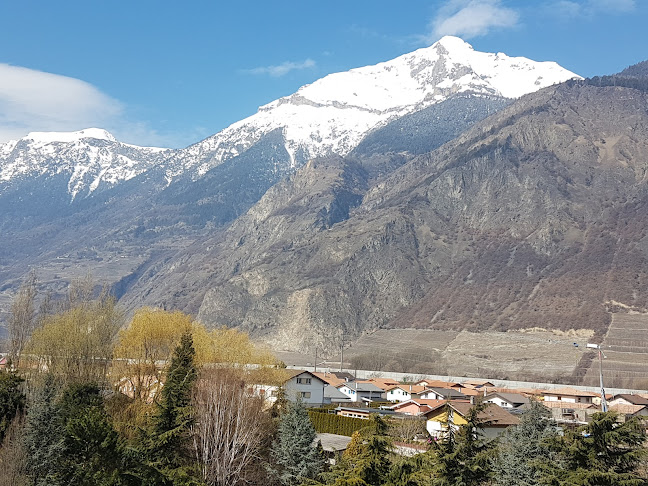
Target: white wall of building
{"type": "Point", "coordinates": [306, 386]}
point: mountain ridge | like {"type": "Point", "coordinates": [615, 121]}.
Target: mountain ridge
{"type": "Point", "coordinates": [330, 116]}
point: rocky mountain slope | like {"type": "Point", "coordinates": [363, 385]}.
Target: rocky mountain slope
{"type": "Point", "coordinates": [83, 200]}
{"type": "Point", "coordinates": [536, 217]}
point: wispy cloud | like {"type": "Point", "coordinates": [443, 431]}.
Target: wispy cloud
{"type": "Point", "coordinates": [33, 100]}
{"type": "Point", "coordinates": [470, 18]}
{"type": "Point", "coordinates": [569, 9]}
{"type": "Point", "coordinates": [36, 101]}
{"type": "Point", "coordinates": [281, 69]}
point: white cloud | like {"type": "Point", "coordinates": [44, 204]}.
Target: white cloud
{"type": "Point", "coordinates": [33, 100]}
{"type": "Point", "coordinates": [471, 18]}
{"type": "Point", "coordinates": [36, 101]}
{"type": "Point", "coordinates": [282, 69]}
{"type": "Point", "coordinates": [612, 5]}
{"type": "Point", "coordinates": [569, 9]}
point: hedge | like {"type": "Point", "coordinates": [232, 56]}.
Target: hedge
{"type": "Point", "coordinates": [336, 424]}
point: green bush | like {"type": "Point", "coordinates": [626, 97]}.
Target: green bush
{"type": "Point", "coordinates": [336, 424]}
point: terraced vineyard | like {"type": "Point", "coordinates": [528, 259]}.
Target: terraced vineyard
{"type": "Point", "coordinates": [626, 349]}
{"type": "Point", "coordinates": [537, 355]}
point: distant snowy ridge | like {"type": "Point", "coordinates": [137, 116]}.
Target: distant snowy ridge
{"type": "Point", "coordinates": [330, 116]}
{"type": "Point", "coordinates": [90, 158]}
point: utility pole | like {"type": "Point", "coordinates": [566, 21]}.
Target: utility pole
{"type": "Point", "coordinates": [315, 364]}
{"type": "Point", "coordinates": [342, 352]}
{"type": "Point", "coordinates": [604, 407]}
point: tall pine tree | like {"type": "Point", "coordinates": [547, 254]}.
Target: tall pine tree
{"type": "Point", "coordinates": [168, 447]}
{"type": "Point", "coordinates": [295, 453]}
{"type": "Point", "coordinates": [463, 455]}
{"type": "Point", "coordinates": [12, 399]}
{"type": "Point", "coordinates": [369, 462]}
{"type": "Point", "coordinates": [44, 436]}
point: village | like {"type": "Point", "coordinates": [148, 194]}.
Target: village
{"type": "Point", "coordinates": [442, 404]}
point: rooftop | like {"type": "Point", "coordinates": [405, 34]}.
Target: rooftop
{"type": "Point", "coordinates": [634, 399]}
{"type": "Point", "coordinates": [361, 386]}
{"type": "Point", "coordinates": [333, 442]}
{"type": "Point", "coordinates": [513, 398]}
{"type": "Point", "coordinates": [409, 388]}
{"type": "Point", "coordinates": [627, 409]}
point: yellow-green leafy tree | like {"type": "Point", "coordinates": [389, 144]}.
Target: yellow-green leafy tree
{"type": "Point", "coordinates": [77, 344]}
{"type": "Point", "coordinates": [147, 343]}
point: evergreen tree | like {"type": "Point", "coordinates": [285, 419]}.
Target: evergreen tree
{"type": "Point", "coordinates": [72, 441]}
{"type": "Point", "coordinates": [354, 449]}
{"type": "Point", "coordinates": [368, 463]}
{"type": "Point", "coordinates": [418, 470]}
{"type": "Point", "coordinates": [12, 399]}
{"type": "Point", "coordinates": [604, 452]}
{"type": "Point", "coordinates": [521, 448]}
{"type": "Point", "coordinates": [294, 451]}
{"type": "Point", "coordinates": [168, 447]}
{"type": "Point", "coordinates": [44, 436]}
{"type": "Point", "coordinates": [463, 456]}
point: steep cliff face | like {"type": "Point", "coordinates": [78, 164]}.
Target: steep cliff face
{"type": "Point", "coordinates": [535, 217]}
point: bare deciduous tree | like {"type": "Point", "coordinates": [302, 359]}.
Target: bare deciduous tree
{"type": "Point", "coordinates": [231, 427]}
{"type": "Point", "coordinates": [23, 318]}
{"type": "Point", "coordinates": [12, 455]}
{"type": "Point", "coordinates": [407, 428]}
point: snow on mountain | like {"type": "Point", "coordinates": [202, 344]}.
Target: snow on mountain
{"type": "Point", "coordinates": [91, 158]}
{"type": "Point", "coordinates": [329, 116]}
{"type": "Point", "coordinates": [45, 138]}
{"type": "Point", "coordinates": [334, 113]}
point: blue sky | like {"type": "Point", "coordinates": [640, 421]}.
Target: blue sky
{"type": "Point", "coordinates": [172, 73]}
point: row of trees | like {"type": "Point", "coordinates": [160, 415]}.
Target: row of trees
{"type": "Point", "coordinates": [205, 427]}
{"type": "Point", "coordinates": [191, 417]}
{"type": "Point", "coordinates": [160, 401]}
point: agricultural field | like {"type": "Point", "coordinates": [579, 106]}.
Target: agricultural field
{"type": "Point", "coordinates": [626, 352]}
{"type": "Point", "coordinates": [535, 355]}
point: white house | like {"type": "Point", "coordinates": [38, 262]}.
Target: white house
{"type": "Point", "coordinates": [305, 385]}
{"type": "Point", "coordinates": [507, 400]}
{"type": "Point", "coordinates": [359, 391]}
{"type": "Point", "coordinates": [569, 395]}
{"type": "Point", "coordinates": [628, 399]}
{"type": "Point", "coordinates": [443, 394]}
{"type": "Point", "coordinates": [403, 393]}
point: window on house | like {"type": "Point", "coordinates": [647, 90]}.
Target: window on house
{"type": "Point", "coordinates": [305, 394]}
{"type": "Point", "coordinates": [303, 381]}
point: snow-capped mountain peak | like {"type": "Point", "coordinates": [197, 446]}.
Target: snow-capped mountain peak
{"type": "Point", "coordinates": [334, 113]}
{"type": "Point", "coordinates": [67, 137]}
{"type": "Point", "coordinates": [88, 159]}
